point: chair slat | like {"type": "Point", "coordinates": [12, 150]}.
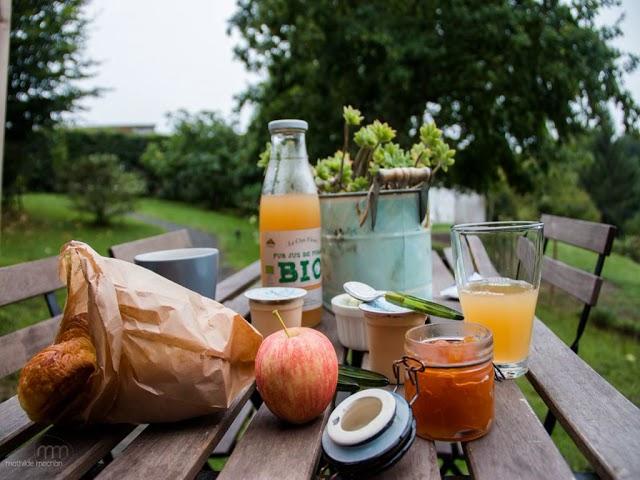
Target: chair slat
{"type": "Point", "coordinates": [517, 445]}
{"type": "Point", "coordinates": [582, 285]}
{"type": "Point", "coordinates": [271, 449]}
{"type": "Point", "coordinates": [238, 282]}
{"type": "Point", "coordinates": [597, 237]}
{"type": "Point", "coordinates": [166, 241]}
{"type": "Point", "coordinates": [601, 421]}
{"type": "Point", "coordinates": [15, 426]}
{"type": "Point", "coordinates": [481, 259]}
{"type": "Point", "coordinates": [19, 346]}
{"type": "Point", "coordinates": [441, 279]}
{"type": "Point", "coordinates": [448, 255]}
{"type": "Point", "coordinates": [29, 279]}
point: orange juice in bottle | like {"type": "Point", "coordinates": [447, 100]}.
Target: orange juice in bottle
{"type": "Point", "coordinates": [290, 219]}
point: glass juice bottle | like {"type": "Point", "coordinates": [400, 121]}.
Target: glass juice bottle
{"type": "Point", "coordinates": [290, 219]}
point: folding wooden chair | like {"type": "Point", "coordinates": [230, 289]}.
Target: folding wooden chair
{"type": "Point", "coordinates": [584, 286]}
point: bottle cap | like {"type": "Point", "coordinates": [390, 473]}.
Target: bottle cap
{"type": "Point", "coordinates": [288, 124]}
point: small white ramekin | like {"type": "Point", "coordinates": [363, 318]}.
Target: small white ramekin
{"type": "Point", "coordinates": [352, 330]}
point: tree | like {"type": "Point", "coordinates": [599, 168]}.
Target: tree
{"type": "Point", "coordinates": [508, 80]}
{"type": "Point", "coordinates": [46, 59]}
{"type": "Point", "coordinates": [613, 177]}
{"type": "Point", "coordinates": [99, 184]}
{"type": "Point", "coordinates": [202, 162]}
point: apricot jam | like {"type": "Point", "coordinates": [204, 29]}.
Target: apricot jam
{"type": "Point", "coordinates": [455, 399]}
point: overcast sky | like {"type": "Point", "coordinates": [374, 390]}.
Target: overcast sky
{"type": "Point", "coordinates": [158, 56]}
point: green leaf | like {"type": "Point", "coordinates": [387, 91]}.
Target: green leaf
{"type": "Point", "coordinates": [423, 306]}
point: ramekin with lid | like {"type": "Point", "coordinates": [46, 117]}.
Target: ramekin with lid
{"type": "Point", "coordinates": [263, 301]}
{"type": "Point", "coordinates": [352, 330]}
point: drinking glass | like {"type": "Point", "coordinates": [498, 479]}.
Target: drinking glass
{"type": "Point", "coordinates": [497, 268]}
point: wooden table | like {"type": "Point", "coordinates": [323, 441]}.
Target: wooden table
{"type": "Point", "coordinates": [603, 424]}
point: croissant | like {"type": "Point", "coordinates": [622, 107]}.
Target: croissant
{"type": "Point", "coordinates": [57, 378]}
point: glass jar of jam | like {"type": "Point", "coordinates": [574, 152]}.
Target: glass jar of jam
{"type": "Point", "coordinates": [451, 365]}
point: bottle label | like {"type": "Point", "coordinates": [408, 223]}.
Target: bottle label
{"type": "Point", "coordinates": [291, 258]}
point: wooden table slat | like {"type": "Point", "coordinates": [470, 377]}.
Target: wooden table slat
{"type": "Point", "coordinates": [517, 446]}
{"type": "Point", "coordinates": [174, 451]}
{"type": "Point", "coordinates": [420, 462]}
{"type": "Point", "coordinates": [70, 452]}
{"type": "Point", "coordinates": [603, 423]}
{"type": "Point", "coordinates": [15, 426]}
{"type": "Point", "coordinates": [272, 449]}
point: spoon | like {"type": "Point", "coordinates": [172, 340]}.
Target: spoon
{"type": "Point", "coordinates": [362, 291]}
{"type": "Point", "coordinates": [366, 293]}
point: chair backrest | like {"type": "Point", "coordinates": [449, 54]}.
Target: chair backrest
{"type": "Point", "coordinates": [166, 241]}
{"type": "Point", "coordinates": [597, 237]}
{"type": "Point", "coordinates": [29, 279]}
{"type": "Point", "coordinates": [20, 282]}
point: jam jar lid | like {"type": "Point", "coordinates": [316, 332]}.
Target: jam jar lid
{"type": "Point", "coordinates": [377, 452]}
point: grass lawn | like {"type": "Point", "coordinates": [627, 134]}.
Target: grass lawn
{"type": "Point", "coordinates": [237, 235]}
{"type": "Point", "coordinates": [47, 223]}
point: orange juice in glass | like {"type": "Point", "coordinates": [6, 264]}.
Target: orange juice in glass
{"type": "Point", "coordinates": [497, 267]}
{"type": "Point", "coordinates": [290, 219]}
{"type": "Point", "coordinates": [507, 308]}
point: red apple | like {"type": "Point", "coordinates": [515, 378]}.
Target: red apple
{"type": "Point", "coordinates": [297, 375]}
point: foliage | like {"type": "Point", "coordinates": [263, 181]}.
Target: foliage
{"type": "Point", "coordinates": [45, 61]}
{"type": "Point", "coordinates": [99, 184]}
{"type": "Point", "coordinates": [629, 246]}
{"type": "Point", "coordinates": [128, 147]}
{"type": "Point", "coordinates": [613, 177]}
{"type": "Point", "coordinates": [338, 173]}
{"type": "Point", "coordinates": [557, 191]}
{"type": "Point", "coordinates": [504, 80]}
{"type": "Point", "coordinates": [54, 152]}
{"type": "Point", "coordinates": [202, 162]}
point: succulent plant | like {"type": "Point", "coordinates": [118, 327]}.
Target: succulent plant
{"type": "Point", "coordinates": [342, 172]}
